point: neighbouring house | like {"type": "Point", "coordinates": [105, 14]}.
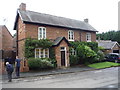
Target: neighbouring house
{"type": "Point", "coordinates": [60, 30]}
{"type": "Point", "coordinates": [6, 45]}
{"type": "Point", "coordinates": [109, 46]}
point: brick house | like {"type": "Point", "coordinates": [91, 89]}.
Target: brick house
{"type": "Point", "coordinates": [60, 30]}
{"type": "Point", "coordinates": [6, 45]}
{"type": "Point", "coordinates": [109, 46]}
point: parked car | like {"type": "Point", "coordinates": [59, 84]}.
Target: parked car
{"type": "Point", "coordinates": [113, 57]}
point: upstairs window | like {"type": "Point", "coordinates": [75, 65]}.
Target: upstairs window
{"type": "Point", "coordinates": [88, 37]}
{"type": "Point", "coordinates": [41, 53]}
{"type": "Point", "coordinates": [41, 33]}
{"type": "Point", "coordinates": [70, 35]}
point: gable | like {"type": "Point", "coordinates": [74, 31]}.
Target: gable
{"type": "Point", "coordinates": [58, 40]}
{"type": "Point", "coordinates": [108, 45]}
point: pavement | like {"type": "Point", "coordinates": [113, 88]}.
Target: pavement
{"type": "Point", "coordinates": [49, 72]}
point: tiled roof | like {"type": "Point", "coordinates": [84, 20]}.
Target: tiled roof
{"type": "Point", "coordinates": [107, 44]}
{"type": "Point", "coordinates": [40, 18]}
{"type": "Point", "coordinates": [58, 40]}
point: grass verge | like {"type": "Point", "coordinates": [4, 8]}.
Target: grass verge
{"type": "Point", "coordinates": [103, 65]}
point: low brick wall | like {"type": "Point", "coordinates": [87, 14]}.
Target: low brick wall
{"type": "Point", "coordinates": [24, 66]}
{"type": "Point", "coordinates": [2, 67]}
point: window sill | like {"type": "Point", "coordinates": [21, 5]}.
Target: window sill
{"type": "Point", "coordinates": [70, 40]}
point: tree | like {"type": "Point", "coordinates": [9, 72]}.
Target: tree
{"type": "Point", "coordinates": [110, 35]}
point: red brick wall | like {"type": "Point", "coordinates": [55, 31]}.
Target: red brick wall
{"type": "Point", "coordinates": [2, 67]}
{"type": "Point", "coordinates": [54, 32]}
{"type": "Point", "coordinates": [7, 39]}
{"type": "Point", "coordinates": [58, 53]}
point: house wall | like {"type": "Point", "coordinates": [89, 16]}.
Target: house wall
{"type": "Point", "coordinates": [6, 46]}
{"type": "Point", "coordinates": [54, 32]}
{"type": "Point", "coordinates": [7, 39]}
{"type": "Point", "coordinates": [20, 38]}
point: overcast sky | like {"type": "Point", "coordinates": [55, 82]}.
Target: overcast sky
{"type": "Point", "coordinates": [102, 14]}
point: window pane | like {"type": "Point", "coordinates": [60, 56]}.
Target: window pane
{"type": "Point", "coordinates": [37, 53]}
{"type": "Point", "coordinates": [40, 33]}
{"type": "Point", "coordinates": [71, 35]}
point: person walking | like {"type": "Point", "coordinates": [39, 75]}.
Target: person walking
{"type": "Point", "coordinates": [17, 65]}
{"type": "Point", "coordinates": [9, 69]}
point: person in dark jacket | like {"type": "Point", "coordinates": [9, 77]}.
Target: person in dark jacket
{"type": "Point", "coordinates": [17, 64]}
{"type": "Point", "coordinates": [9, 69]}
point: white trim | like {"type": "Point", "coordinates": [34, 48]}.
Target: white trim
{"type": "Point", "coordinates": [43, 52]}
{"type": "Point", "coordinates": [42, 33]}
{"type": "Point", "coordinates": [88, 36]}
{"type": "Point", "coordinates": [65, 55]}
{"type": "Point", "coordinates": [115, 44]}
{"type": "Point", "coordinates": [70, 35]}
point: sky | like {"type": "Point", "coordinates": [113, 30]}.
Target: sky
{"type": "Point", "coordinates": [102, 14]}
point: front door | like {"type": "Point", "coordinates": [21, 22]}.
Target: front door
{"type": "Point", "coordinates": [62, 56]}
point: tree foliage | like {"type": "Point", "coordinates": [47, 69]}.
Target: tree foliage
{"type": "Point", "coordinates": [110, 35]}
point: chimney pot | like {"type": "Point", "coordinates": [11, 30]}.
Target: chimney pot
{"type": "Point", "coordinates": [22, 6]}
{"type": "Point", "coordinates": [86, 20]}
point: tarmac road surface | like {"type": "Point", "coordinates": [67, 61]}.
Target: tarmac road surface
{"type": "Point", "coordinates": [88, 79]}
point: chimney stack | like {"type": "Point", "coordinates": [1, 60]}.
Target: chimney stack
{"type": "Point", "coordinates": [86, 20]}
{"type": "Point", "coordinates": [22, 6]}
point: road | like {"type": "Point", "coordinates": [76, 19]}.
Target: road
{"type": "Point", "coordinates": [104, 78]}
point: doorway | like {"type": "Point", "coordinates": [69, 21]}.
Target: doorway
{"type": "Point", "coordinates": [63, 56]}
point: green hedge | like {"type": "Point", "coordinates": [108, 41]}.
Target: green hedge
{"type": "Point", "coordinates": [39, 64]}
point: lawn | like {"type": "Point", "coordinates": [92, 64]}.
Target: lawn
{"type": "Point", "coordinates": [103, 65]}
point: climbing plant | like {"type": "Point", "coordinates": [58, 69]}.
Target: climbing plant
{"type": "Point", "coordinates": [31, 44]}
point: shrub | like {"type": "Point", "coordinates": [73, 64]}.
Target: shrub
{"type": "Point", "coordinates": [86, 54]}
{"type": "Point", "coordinates": [92, 45]}
{"type": "Point", "coordinates": [74, 60]}
{"type": "Point", "coordinates": [101, 55]}
{"type": "Point", "coordinates": [39, 64]}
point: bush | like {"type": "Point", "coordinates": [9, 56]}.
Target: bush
{"type": "Point", "coordinates": [86, 54]}
{"type": "Point", "coordinates": [101, 55]}
{"type": "Point", "coordinates": [39, 64]}
{"type": "Point", "coordinates": [74, 60]}
{"type": "Point", "coordinates": [92, 45]}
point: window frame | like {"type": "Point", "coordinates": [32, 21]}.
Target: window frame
{"type": "Point", "coordinates": [44, 53]}
{"type": "Point", "coordinates": [70, 36]}
{"type": "Point", "coordinates": [88, 37]}
{"type": "Point", "coordinates": [73, 52]}
{"type": "Point", "coordinates": [42, 35]}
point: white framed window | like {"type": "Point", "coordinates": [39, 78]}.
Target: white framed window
{"type": "Point", "coordinates": [70, 35]}
{"type": "Point", "coordinates": [41, 53]}
{"type": "Point", "coordinates": [72, 52]}
{"type": "Point", "coordinates": [88, 37]}
{"type": "Point", "coordinates": [41, 33]}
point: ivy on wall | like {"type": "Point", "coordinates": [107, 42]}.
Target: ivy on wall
{"type": "Point", "coordinates": [31, 44]}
